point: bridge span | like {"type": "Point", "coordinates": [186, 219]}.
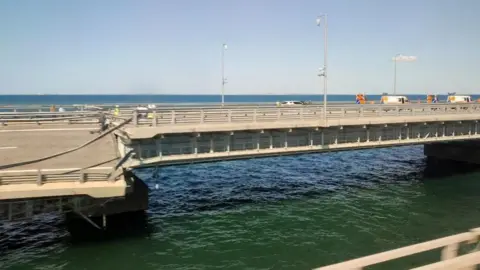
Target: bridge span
{"type": "Point", "coordinates": [92, 153]}
{"type": "Point", "coordinates": [172, 137]}
{"type": "Point", "coordinates": [82, 161]}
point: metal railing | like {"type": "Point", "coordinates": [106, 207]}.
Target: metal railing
{"type": "Point", "coordinates": [131, 106]}
{"type": "Point", "coordinates": [41, 177]}
{"type": "Point", "coordinates": [48, 117]}
{"type": "Point", "coordinates": [450, 246]}
{"type": "Point", "coordinates": [257, 113]}
{"type": "Point", "coordinates": [272, 114]}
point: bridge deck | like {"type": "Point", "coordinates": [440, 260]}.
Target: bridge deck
{"type": "Point", "coordinates": [144, 132]}
{"type": "Point", "coordinates": [23, 143]}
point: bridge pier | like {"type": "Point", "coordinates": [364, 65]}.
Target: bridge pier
{"type": "Point", "coordinates": [445, 158]}
{"type": "Point", "coordinates": [112, 215]}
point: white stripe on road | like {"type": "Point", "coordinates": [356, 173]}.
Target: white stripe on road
{"type": "Point", "coordinates": [48, 129]}
{"type": "Point", "coordinates": [7, 147]}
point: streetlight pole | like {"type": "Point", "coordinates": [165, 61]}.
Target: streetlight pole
{"type": "Point", "coordinates": [395, 73]}
{"type": "Point", "coordinates": [323, 72]}
{"type": "Point", "coordinates": [402, 58]}
{"type": "Point", "coordinates": [224, 81]}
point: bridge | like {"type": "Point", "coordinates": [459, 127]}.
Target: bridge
{"type": "Point", "coordinates": [82, 161]}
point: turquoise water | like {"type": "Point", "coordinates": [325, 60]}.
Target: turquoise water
{"type": "Point", "coordinates": [295, 212]}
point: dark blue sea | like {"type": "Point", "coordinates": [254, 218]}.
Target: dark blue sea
{"type": "Point", "coordinates": [294, 212]}
{"type": "Point", "coordinates": [112, 99]}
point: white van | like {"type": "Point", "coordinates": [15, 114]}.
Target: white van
{"type": "Point", "coordinates": [291, 103]}
{"type": "Point", "coordinates": [394, 100]}
{"type": "Point", "coordinates": [459, 99]}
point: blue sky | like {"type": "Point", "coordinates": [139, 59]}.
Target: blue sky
{"type": "Point", "coordinates": [274, 46]}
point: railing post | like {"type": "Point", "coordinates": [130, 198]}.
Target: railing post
{"type": "Point", "coordinates": [135, 117]}
{"type": "Point", "coordinates": [39, 177]}
{"type": "Point", "coordinates": [398, 110]}
{"type": "Point", "coordinates": [202, 116]}
{"type": "Point", "coordinates": [154, 118]}
{"type": "Point", "coordinates": [229, 115]}
{"type": "Point", "coordinates": [255, 115]}
{"type": "Point", "coordinates": [82, 177]}
{"type": "Point", "coordinates": [173, 117]}
{"type": "Point", "coordinates": [278, 114]}
{"type": "Point", "coordinates": [449, 252]}
{"type": "Point", "coordinates": [301, 113]}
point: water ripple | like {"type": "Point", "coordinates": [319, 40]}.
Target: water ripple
{"type": "Point", "coordinates": [293, 212]}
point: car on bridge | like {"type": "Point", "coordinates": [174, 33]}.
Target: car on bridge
{"type": "Point", "coordinates": [292, 103]}
{"type": "Point", "coordinates": [459, 99]}
{"type": "Point", "coordinates": [394, 100]}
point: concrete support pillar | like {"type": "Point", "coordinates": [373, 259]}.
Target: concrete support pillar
{"type": "Point", "coordinates": [462, 151]}
{"type": "Point", "coordinates": [286, 139]}
{"type": "Point", "coordinates": [257, 140]}
{"type": "Point", "coordinates": [117, 213]}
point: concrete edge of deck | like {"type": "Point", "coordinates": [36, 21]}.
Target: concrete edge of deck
{"type": "Point", "coordinates": [150, 132]}
{"type": "Point", "coordinates": [99, 189]}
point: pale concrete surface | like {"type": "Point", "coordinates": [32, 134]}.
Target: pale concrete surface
{"type": "Point", "coordinates": [23, 144]}
{"type": "Point", "coordinates": [100, 189]}
{"type": "Point", "coordinates": [149, 132]}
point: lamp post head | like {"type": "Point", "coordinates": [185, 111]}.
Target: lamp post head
{"type": "Point", "coordinates": [319, 20]}
{"type": "Point", "coordinates": [224, 46]}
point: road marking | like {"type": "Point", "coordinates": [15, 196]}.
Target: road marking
{"type": "Point", "coordinates": [7, 147]}
{"type": "Point", "coordinates": [55, 170]}
{"type": "Point", "coordinates": [48, 129]}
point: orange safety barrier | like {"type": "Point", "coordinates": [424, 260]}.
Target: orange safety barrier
{"type": "Point", "coordinates": [360, 99]}
{"type": "Point", "coordinates": [429, 98]}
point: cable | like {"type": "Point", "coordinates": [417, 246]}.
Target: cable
{"type": "Point", "coordinates": [67, 151]}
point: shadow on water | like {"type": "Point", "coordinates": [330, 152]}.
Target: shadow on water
{"type": "Point", "coordinates": [118, 227]}
{"type": "Point", "coordinates": [40, 232]}
{"type": "Point", "coordinates": [49, 230]}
